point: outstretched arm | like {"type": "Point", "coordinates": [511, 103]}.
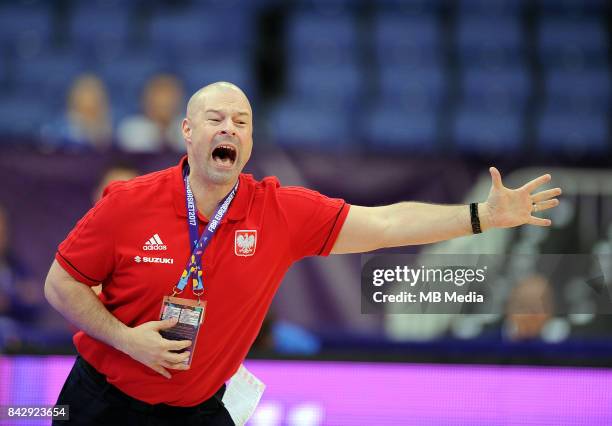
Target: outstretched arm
{"type": "Point", "coordinates": [410, 223]}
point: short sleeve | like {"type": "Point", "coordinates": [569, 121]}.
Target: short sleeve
{"type": "Point", "coordinates": [88, 251]}
{"type": "Point", "coordinates": [314, 220]}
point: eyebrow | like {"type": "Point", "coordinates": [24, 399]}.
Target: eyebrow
{"type": "Point", "coordinates": [221, 112]}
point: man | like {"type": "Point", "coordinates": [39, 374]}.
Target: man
{"type": "Point", "coordinates": [114, 173]}
{"type": "Point", "coordinates": [124, 361]}
{"type": "Point", "coordinates": [157, 127]}
{"type": "Point", "coordinates": [87, 122]}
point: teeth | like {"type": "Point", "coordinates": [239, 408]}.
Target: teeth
{"type": "Point", "coordinates": [229, 156]}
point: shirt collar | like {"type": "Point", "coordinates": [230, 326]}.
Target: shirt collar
{"type": "Point", "coordinates": [237, 210]}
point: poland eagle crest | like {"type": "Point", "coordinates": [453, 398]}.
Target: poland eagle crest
{"type": "Point", "coordinates": [245, 242]}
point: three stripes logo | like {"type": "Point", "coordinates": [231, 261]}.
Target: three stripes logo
{"type": "Point", "coordinates": [154, 243]}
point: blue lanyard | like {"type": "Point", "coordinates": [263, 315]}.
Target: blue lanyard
{"type": "Point", "coordinates": [199, 244]}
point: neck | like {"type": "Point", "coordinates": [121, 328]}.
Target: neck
{"type": "Point", "coordinates": [208, 195]}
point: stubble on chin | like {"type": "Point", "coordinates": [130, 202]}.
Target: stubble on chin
{"type": "Point", "coordinates": [220, 178]}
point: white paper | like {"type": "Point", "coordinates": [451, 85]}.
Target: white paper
{"type": "Point", "coordinates": [242, 395]}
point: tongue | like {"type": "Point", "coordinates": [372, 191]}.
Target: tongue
{"type": "Point", "coordinates": [224, 161]}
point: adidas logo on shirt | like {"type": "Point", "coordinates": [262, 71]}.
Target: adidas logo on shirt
{"type": "Point", "coordinates": [154, 243]}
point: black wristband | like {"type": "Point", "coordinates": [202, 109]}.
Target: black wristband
{"type": "Point", "coordinates": [474, 218]}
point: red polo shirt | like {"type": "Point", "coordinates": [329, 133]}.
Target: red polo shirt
{"type": "Point", "coordinates": [136, 242]}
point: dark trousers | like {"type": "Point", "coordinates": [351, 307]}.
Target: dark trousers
{"type": "Point", "coordinates": [94, 401]}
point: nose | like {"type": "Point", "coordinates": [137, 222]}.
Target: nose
{"type": "Point", "coordinates": [228, 132]}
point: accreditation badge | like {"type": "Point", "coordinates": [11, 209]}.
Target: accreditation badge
{"type": "Point", "coordinates": [190, 314]}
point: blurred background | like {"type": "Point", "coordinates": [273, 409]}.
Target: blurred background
{"type": "Point", "coordinates": [373, 101]}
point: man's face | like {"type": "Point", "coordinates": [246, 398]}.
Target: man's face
{"type": "Point", "coordinates": [219, 135]}
{"type": "Point", "coordinates": [163, 102]}
{"type": "Point", "coordinates": [88, 99]}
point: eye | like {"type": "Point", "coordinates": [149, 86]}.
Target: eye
{"type": "Point", "coordinates": [214, 120]}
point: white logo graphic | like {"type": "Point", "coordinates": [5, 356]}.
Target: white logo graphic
{"type": "Point", "coordinates": [154, 243]}
{"type": "Point", "coordinates": [166, 260]}
{"type": "Point", "coordinates": [245, 242]}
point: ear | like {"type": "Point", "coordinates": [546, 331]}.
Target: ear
{"type": "Point", "coordinates": [186, 129]}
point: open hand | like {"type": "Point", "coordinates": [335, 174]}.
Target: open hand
{"type": "Point", "coordinates": [146, 345]}
{"type": "Point", "coordinates": [508, 207]}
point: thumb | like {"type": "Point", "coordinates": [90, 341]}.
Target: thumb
{"type": "Point", "coordinates": [161, 370]}
{"type": "Point", "coordinates": [496, 178]}
{"type": "Point", "coordinates": [165, 324]}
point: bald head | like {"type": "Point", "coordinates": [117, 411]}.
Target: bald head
{"type": "Point", "coordinates": [219, 113]}
{"type": "Point", "coordinates": [197, 101]}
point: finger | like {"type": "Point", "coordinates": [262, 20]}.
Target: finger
{"type": "Point", "coordinates": [531, 185]}
{"type": "Point", "coordinates": [545, 195]}
{"type": "Point", "coordinates": [173, 358]}
{"type": "Point", "coordinates": [537, 221]}
{"type": "Point", "coordinates": [161, 370]}
{"type": "Point", "coordinates": [177, 345]}
{"type": "Point", "coordinates": [548, 204]}
{"type": "Point", "coordinates": [496, 178]}
{"type": "Point", "coordinates": [175, 366]}
{"type": "Point", "coordinates": [164, 324]}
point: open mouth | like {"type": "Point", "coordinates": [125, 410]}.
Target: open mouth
{"type": "Point", "coordinates": [224, 155]}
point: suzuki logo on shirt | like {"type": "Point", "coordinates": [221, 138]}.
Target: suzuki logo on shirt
{"type": "Point", "coordinates": [166, 260]}
{"type": "Point", "coordinates": [154, 243]}
{"type": "Point", "coordinates": [245, 242]}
